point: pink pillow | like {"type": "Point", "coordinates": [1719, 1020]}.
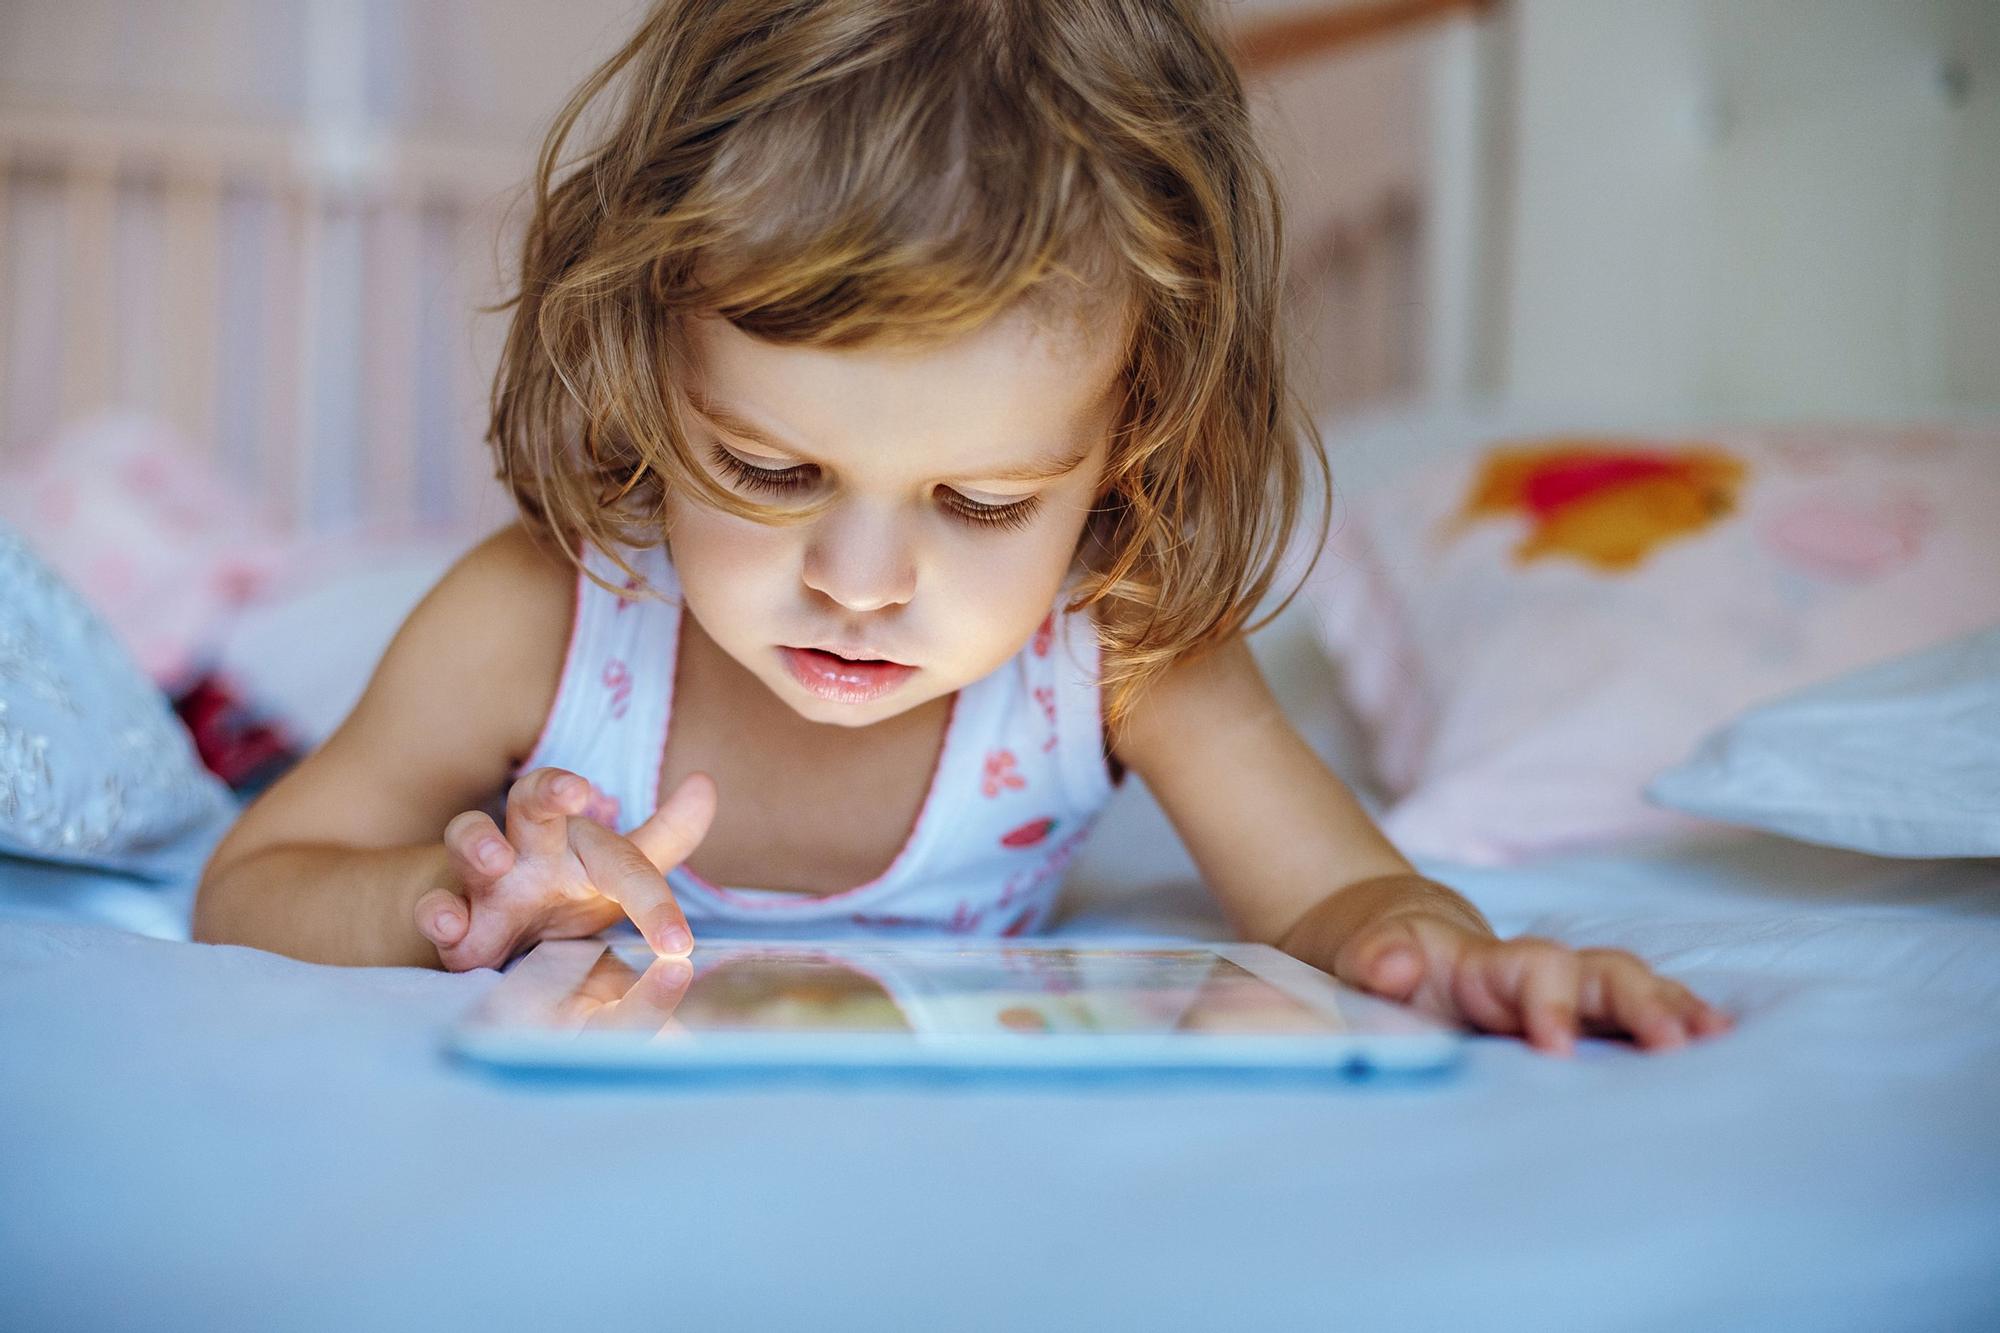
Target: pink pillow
{"type": "Point", "coordinates": [157, 541]}
{"type": "Point", "coordinates": [1535, 628]}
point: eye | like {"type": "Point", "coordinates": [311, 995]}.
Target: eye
{"type": "Point", "coordinates": [761, 478]}
{"type": "Point", "coordinates": [784, 480]}
{"type": "Point", "coordinates": [1014, 515]}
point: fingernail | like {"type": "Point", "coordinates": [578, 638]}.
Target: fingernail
{"type": "Point", "coordinates": [569, 789]}
{"type": "Point", "coordinates": [440, 924]}
{"type": "Point", "coordinates": [677, 970]}
{"type": "Point", "coordinates": [489, 856]}
{"type": "Point", "coordinates": [675, 940]}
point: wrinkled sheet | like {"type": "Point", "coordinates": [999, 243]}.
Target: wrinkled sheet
{"type": "Point", "coordinates": [209, 1137]}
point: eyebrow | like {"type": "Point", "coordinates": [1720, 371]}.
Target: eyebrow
{"type": "Point", "coordinates": [1041, 469]}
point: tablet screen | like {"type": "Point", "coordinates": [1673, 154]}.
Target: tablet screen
{"type": "Point", "coordinates": [938, 990]}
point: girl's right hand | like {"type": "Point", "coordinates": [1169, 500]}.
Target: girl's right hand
{"type": "Point", "coordinates": [558, 875]}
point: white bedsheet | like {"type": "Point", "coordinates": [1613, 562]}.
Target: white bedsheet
{"type": "Point", "coordinates": [201, 1137]}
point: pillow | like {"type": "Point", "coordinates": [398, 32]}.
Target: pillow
{"type": "Point", "coordinates": [1902, 759]}
{"type": "Point", "coordinates": [94, 770]}
{"type": "Point", "coordinates": [150, 534]}
{"type": "Point", "coordinates": [304, 649]}
{"type": "Point", "coordinates": [1533, 628]}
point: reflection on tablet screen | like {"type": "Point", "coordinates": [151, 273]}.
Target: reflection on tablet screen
{"type": "Point", "coordinates": [938, 991]}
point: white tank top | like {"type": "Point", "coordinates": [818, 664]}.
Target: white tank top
{"type": "Point", "coordinates": [1020, 780]}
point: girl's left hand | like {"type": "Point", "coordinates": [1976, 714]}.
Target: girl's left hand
{"type": "Point", "coordinates": [1530, 986]}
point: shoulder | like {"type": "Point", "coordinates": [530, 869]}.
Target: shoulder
{"type": "Point", "coordinates": [1203, 705]}
{"type": "Point", "coordinates": [510, 597]}
{"type": "Point", "coordinates": [514, 563]}
{"type": "Point", "coordinates": [457, 699]}
{"type": "Point", "coordinates": [496, 628]}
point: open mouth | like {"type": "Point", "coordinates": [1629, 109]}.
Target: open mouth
{"type": "Point", "coordinates": [832, 656]}
{"type": "Point", "coordinates": [834, 676]}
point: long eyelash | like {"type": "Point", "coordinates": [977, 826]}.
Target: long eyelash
{"type": "Point", "coordinates": [1015, 515]}
{"type": "Point", "coordinates": [761, 478]}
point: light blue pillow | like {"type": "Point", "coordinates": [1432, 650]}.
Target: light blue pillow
{"type": "Point", "coordinates": [95, 769]}
{"type": "Point", "coordinates": [1902, 759]}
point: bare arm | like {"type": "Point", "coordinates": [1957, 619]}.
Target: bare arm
{"type": "Point", "coordinates": [329, 864]}
{"type": "Point", "coordinates": [1294, 860]}
{"type": "Point", "coordinates": [1277, 836]}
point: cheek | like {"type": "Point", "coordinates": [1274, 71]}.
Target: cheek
{"type": "Point", "coordinates": [994, 592]}
{"type": "Point", "coordinates": [710, 546]}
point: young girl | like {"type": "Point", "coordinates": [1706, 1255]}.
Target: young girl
{"type": "Point", "coordinates": [894, 408]}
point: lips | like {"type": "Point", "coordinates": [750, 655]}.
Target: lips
{"type": "Point", "coordinates": [839, 679]}
{"type": "Point", "coordinates": [852, 654]}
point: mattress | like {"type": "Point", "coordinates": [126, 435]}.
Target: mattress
{"type": "Point", "coordinates": [210, 1137]}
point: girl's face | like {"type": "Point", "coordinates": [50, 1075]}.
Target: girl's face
{"type": "Point", "coordinates": [957, 480]}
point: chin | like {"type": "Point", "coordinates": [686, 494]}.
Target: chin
{"type": "Point", "coordinates": [832, 713]}
{"type": "Point", "coordinates": [837, 715]}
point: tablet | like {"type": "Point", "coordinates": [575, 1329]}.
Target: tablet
{"type": "Point", "coordinates": [939, 1004]}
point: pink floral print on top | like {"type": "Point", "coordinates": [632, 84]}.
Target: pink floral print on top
{"type": "Point", "coordinates": [1046, 697]}
{"type": "Point", "coordinates": [1000, 811]}
{"type": "Point", "coordinates": [1030, 834]}
{"type": "Point", "coordinates": [617, 678]}
{"type": "Point", "coordinates": [1000, 774]}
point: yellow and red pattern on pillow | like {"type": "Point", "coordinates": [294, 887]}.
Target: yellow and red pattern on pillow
{"type": "Point", "coordinates": [1536, 626]}
{"type": "Point", "coordinates": [1605, 504]}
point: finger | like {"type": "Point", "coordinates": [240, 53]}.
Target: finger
{"type": "Point", "coordinates": [441, 917]}
{"type": "Point", "coordinates": [573, 1011]}
{"type": "Point", "coordinates": [491, 936]}
{"type": "Point", "coordinates": [1640, 1009]}
{"type": "Point", "coordinates": [1710, 1021]}
{"type": "Point", "coordinates": [651, 1001]}
{"type": "Point", "coordinates": [1679, 1001]}
{"type": "Point", "coordinates": [1387, 959]}
{"type": "Point", "coordinates": [1603, 971]}
{"type": "Point", "coordinates": [618, 870]}
{"type": "Point", "coordinates": [539, 807]}
{"type": "Point", "coordinates": [1546, 991]}
{"type": "Point", "coordinates": [608, 980]}
{"type": "Point", "coordinates": [674, 830]}
{"type": "Point", "coordinates": [1482, 996]}
{"type": "Point", "coordinates": [478, 852]}
{"type": "Point", "coordinates": [1698, 1016]}
{"type": "Point", "coordinates": [1623, 996]}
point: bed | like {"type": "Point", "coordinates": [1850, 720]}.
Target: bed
{"type": "Point", "coordinates": [210, 1137]}
{"type": "Point", "coordinates": [201, 1137]}
{"type": "Point", "coordinates": [205, 1136]}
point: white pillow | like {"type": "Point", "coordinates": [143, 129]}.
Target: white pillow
{"type": "Point", "coordinates": [1902, 759]}
{"type": "Point", "coordinates": [95, 770]}
{"type": "Point", "coordinates": [1534, 625]}
{"type": "Point", "coordinates": [305, 649]}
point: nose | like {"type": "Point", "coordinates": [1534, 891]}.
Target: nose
{"type": "Point", "coordinates": [861, 560]}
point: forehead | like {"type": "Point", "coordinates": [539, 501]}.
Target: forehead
{"type": "Point", "coordinates": [1024, 382]}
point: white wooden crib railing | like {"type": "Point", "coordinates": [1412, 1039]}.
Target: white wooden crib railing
{"type": "Point", "coordinates": [299, 302]}
{"type": "Point", "coordinates": [298, 306]}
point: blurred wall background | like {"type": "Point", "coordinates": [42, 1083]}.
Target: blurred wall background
{"type": "Point", "coordinates": [270, 221]}
{"type": "Point", "coordinates": [1766, 207]}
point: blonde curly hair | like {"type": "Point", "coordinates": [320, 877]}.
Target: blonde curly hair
{"type": "Point", "coordinates": [835, 173]}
